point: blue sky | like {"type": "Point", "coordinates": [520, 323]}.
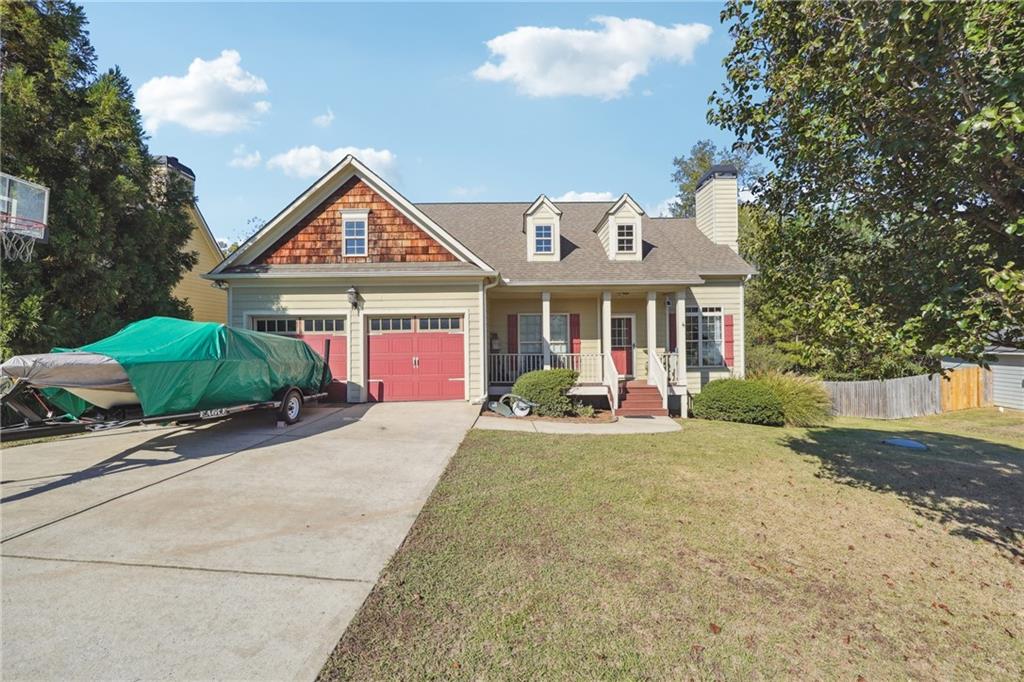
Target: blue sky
{"type": "Point", "coordinates": [570, 105]}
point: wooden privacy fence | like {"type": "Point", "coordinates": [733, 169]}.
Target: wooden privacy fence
{"type": "Point", "coordinates": [911, 396]}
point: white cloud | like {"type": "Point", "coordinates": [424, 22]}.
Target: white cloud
{"type": "Point", "coordinates": [324, 120]}
{"type": "Point", "coordinates": [662, 209]}
{"type": "Point", "coordinates": [312, 161]}
{"type": "Point", "coordinates": [573, 195]}
{"type": "Point", "coordinates": [551, 62]}
{"type": "Point", "coordinates": [245, 159]}
{"type": "Point", "coordinates": [747, 196]}
{"type": "Point", "coordinates": [216, 96]}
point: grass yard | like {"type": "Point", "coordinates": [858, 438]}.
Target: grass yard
{"type": "Point", "coordinates": [723, 551]}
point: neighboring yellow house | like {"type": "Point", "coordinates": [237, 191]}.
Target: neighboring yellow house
{"type": "Point", "coordinates": [209, 304]}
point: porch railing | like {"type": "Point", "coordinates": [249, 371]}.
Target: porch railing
{"type": "Point", "coordinates": [670, 361]}
{"type": "Point", "coordinates": [611, 380]}
{"type": "Point", "coordinates": [587, 364]}
{"type": "Point", "coordinates": [505, 368]}
{"type": "Point", "coordinates": [657, 374]}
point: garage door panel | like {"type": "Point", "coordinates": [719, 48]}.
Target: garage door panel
{"type": "Point", "coordinates": [337, 390]}
{"type": "Point", "coordinates": [416, 365]}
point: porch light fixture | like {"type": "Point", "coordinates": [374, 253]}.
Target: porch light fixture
{"type": "Point", "coordinates": [353, 297]}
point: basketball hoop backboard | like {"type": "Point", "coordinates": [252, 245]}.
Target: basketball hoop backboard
{"type": "Point", "coordinates": [23, 212]}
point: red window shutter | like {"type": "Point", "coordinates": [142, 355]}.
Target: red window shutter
{"type": "Point", "coordinates": [672, 332]}
{"type": "Point", "coordinates": [513, 333]}
{"type": "Point", "coordinates": [574, 332]}
{"type": "Point", "coordinates": [729, 345]}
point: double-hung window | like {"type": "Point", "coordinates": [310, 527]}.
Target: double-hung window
{"type": "Point", "coordinates": [354, 226]}
{"type": "Point", "coordinates": [705, 339]}
{"type": "Point", "coordinates": [531, 340]}
{"type": "Point", "coordinates": [543, 241]}
{"type": "Point", "coordinates": [626, 242]}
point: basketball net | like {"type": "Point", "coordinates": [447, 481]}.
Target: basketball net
{"type": "Point", "coordinates": [15, 242]}
{"type": "Point", "coordinates": [17, 246]}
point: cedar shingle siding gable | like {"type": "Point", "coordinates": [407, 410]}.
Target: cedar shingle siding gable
{"type": "Point", "coordinates": [391, 237]}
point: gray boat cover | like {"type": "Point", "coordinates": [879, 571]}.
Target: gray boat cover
{"type": "Point", "coordinates": [68, 370]}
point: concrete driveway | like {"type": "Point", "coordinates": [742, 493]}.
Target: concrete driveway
{"type": "Point", "coordinates": [231, 550]}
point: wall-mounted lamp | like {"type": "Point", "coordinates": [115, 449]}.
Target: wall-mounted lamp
{"type": "Point", "coordinates": [353, 297]}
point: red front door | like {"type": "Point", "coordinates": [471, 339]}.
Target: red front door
{"type": "Point", "coordinates": [416, 358]}
{"type": "Point", "coordinates": [622, 345]}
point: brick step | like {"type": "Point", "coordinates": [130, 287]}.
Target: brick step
{"type": "Point", "coordinates": [641, 406]}
{"type": "Point", "coordinates": [635, 391]}
{"type": "Point", "coordinates": [642, 412]}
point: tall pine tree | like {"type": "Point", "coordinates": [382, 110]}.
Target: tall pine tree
{"type": "Point", "coordinates": [116, 234]}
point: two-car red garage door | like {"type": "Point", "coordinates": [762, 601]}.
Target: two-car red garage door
{"type": "Point", "coordinates": [416, 358]}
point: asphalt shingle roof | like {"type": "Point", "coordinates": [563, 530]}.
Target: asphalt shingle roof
{"type": "Point", "coordinates": [674, 249]}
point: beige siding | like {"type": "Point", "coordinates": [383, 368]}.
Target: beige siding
{"type": "Point", "coordinates": [376, 299]}
{"type": "Point", "coordinates": [209, 304]}
{"type": "Point", "coordinates": [728, 295]}
{"type": "Point", "coordinates": [717, 211]}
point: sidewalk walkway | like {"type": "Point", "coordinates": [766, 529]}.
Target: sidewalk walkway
{"type": "Point", "coordinates": [624, 425]}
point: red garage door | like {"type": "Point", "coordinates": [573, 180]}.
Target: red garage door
{"type": "Point", "coordinates": [315, 331]}
{"type": "Point", "coordinates": [416, 358]}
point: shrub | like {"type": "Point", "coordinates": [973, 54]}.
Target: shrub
{"type": "Point", "coordinates": [805, 402]}
{"type": "Point", "coordinates": [739, 400]}
{"type": "Point", "coordinates": [547, 388]}
{"type": "Point", "coordinates": [583, 409]}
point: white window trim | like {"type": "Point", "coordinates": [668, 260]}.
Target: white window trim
{"type": "Point", "coordinates": [699, 314]}
{"type": "Point", "coordinates": [355, 215]}
{"type": "Point", "coordinates": [519, 333]}
{"type": "Point", "coordinates": [550, 238]}
{"type": "Point", "coordinates": [632, 238]}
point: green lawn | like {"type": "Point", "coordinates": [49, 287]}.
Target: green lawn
{"type": "Point", "coordinates": [722, 551]}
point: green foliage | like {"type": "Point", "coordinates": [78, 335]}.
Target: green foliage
{"type": "Point", "coordinates": [688, 170]}
{"type": "Point", "coordinates": [116, 236]}
{"type": "Point", "coordinates": [805, 402]}
{"type": "Point", "coordinates": [894, 207]}
{"type": "Point", "coordinates": [582, 409]}
{"type": "Point", "coordinates": [547, 388]}
{"type": "Point", "coordinates": [739, 400]}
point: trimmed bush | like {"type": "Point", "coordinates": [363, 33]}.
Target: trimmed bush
{"type": "Point", "coordinates": [805, 402]}
{"type": "Point", "coordinates": [548, 388]}
{"type": "Point", "coordinates": [739, 400]}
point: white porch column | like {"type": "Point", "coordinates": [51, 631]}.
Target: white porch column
{"type": "Point", "coordinates": [606, 323]}
{"type": "Point", "coordinates": [681, 338]}
{"type": "Point", "coordinates": [545, 327]}
{"type": "Point", "coordinates": [652, 331]}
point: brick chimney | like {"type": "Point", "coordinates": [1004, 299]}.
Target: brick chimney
{"type": "Point", "coordinates": [717, 205]}
{"type": "Point", "coordinates": [163, 167]}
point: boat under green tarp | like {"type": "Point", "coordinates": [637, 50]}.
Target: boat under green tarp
{"type": "Point", "coordinates": [177, 366]}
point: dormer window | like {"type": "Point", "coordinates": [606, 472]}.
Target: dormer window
{"type": "Point", "coordinates": [621, 230]}
{"type": "Point", "coordinates": [540, 225]}
{"type": "Point", "coordinates": [626, 239]}
{"type": "Point", "coordinates": [354, 226]}
{"type": "Point", "coordinates": [542, 239]}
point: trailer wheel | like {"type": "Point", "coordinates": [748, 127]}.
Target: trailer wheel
{"type": "Point", "coordinates": [291, 407]}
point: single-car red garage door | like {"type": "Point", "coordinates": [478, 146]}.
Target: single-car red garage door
{"type": "Point", "coordinates": [416, 358]}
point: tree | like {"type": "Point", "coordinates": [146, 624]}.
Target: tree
{"type": "Point", "coordinates": [687, 171]}
{"type": "Point", "coordinates": [116, 234]}
{"type": "Point", "coordinates": [895, 131]}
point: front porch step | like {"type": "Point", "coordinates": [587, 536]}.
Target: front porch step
{"type": "Point", "coordinates": [642, 411]}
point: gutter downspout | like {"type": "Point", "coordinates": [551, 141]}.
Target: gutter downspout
{"type": "Point", "coordinates": [484, 360]}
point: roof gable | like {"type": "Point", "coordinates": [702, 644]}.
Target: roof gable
{"type": "Point", "coordinates": [278, 228]}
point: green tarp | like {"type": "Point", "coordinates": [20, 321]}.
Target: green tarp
{"type": "Point", "coordinates": [181, 366]}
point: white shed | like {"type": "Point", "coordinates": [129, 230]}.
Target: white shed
{"type": "Point", "coordinates": [1008, 377]}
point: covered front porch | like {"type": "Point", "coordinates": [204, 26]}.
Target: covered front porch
{"type": "Point", "coordinates": [614, 338]}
